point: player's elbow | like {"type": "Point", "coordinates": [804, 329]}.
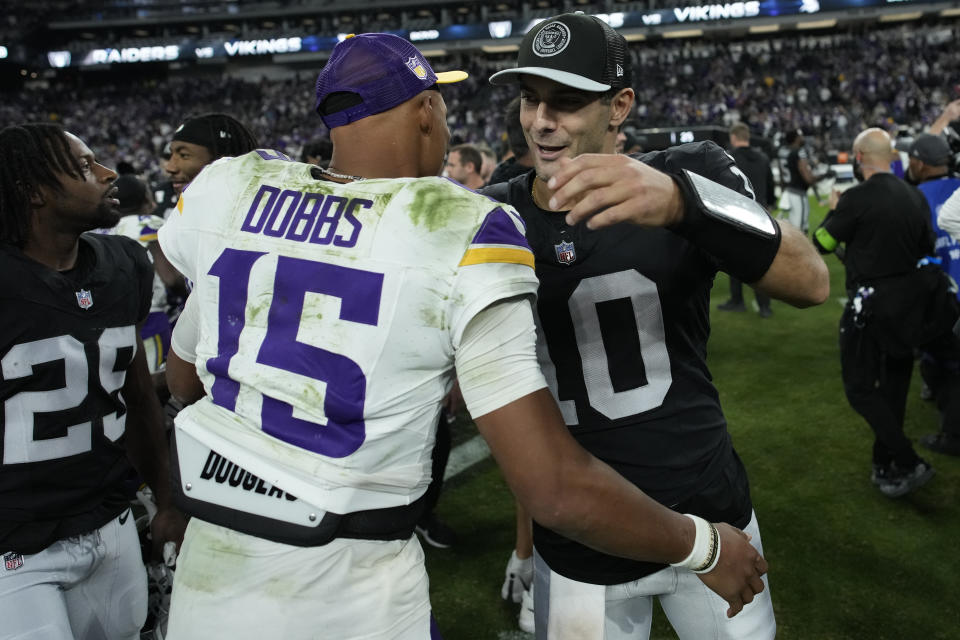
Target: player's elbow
{"type": "Point", "coordinates": [554, 511]}
{"type": "Point", "coordinates": [817, 288]}
{"type": "Point", "coordinates": [564, 501]}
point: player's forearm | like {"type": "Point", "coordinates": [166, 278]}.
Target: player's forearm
{"type": "Point", "coordinates": [599, 508]}
{"type": "Point", "coordinates": [145, 441]}
{"type": "Point", "coordinates": [798, 275]}
{"type": "Point", "coordinates": [569, 491]}
{"type": "Point", "coordinates": [950, 113]}
{"type": "Point", "coordinates": [182, 379]}
{"type": "Point", "coordinates": [147, 451]}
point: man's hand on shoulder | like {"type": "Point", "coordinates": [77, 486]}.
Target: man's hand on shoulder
{"type": "Point", "coordinates": [737, 576]}
{"type": "Point", "coordinates": [605, 189]}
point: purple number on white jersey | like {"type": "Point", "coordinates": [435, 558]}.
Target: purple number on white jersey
{"type": "Point", "coordinates": [359, 292]}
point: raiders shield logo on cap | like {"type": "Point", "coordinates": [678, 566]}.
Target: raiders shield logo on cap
{"type": "Point", "coordinates": [551, 40]}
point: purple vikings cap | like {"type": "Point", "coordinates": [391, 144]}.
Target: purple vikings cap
{"type": "Point", "coordinates": [371, 73]}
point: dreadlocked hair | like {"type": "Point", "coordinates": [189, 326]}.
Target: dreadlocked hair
{"type": "Point", "coordinates": [33, 156]}
{"type": "Point", "coordinates": [238, 141]}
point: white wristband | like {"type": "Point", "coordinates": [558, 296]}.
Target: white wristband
{"type": "Point", "coordinates": [706, 547]}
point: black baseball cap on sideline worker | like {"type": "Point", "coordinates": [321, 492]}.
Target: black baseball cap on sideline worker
{"type": "Point", "coordinates": [574, 49]}
{"type": "Point", "coordinates": [930, 149]}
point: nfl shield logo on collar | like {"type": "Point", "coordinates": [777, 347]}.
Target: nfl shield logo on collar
{"type": "Point", "coordinates": [84, 299]}
{"type": "Point", "coordinates": [566, 254]}
{"type": "Point", "coordinates": [12, 561]}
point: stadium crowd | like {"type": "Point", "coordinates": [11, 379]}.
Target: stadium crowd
{"type": "Point", "coordinates": [831, 85]}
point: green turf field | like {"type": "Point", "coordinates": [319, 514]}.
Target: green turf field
{"type": "Point", "coordinates": [845, 561]}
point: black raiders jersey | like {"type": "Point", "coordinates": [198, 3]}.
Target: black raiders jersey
{"type": "Point", "coordinates": [790, 169]}
{"type": "Point", "coordinates": [623, 322]}
{"type": "Point", "coordinates": [66, 342]}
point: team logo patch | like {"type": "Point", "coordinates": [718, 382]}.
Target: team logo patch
{"type": "Point", "coordinates": [551, 40]}
{"type": "Point", "coordinates": [414, 64]}
{"type": "Point", "coordinates": [84, 299]}
{"type": "Point", "coordinates": [12, 561]}
{"type": "Point", "coordinates": [566, 254]}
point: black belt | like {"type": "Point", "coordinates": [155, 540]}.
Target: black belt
{"type": "Point", "coordinates": [392, 523]}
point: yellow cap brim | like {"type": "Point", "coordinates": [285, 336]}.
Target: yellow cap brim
{"type": "Point", "coordinates": [447, 77]}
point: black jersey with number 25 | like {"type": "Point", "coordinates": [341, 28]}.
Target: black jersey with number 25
{"type": "Point", "coordinates": [66, 342]}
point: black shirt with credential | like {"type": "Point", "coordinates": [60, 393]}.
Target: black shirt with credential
{"type": "Point", "coordinates": [885, 224]}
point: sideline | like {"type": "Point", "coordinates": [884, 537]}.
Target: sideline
{"type": "Point", "coordinates": [465, 455]}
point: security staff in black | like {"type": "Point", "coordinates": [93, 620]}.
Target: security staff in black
{"type": "Point", "coordinates": [626, 251]}
{"type": "Point", "coordinates": [756, 166]}
{"type": "Point", "coordinates": [885, 224]}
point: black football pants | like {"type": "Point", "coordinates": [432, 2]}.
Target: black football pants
{"type": "Point", "coordinates": [876, 383]}
{"type": "Point", "coordinates": [940, 368]}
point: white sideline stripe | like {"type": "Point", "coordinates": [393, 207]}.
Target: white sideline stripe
{"type": "Point", "coordinates": [462, 457]}
{"type": "Point", "coordinates": [465, 455]}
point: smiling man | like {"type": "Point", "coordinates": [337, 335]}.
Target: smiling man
{"type": "Point", "coordinates": [202, 139]}
{"type": "Point", "coordinates": [77, 398]}
{"type": "Point", "coordinates": [626, 251]}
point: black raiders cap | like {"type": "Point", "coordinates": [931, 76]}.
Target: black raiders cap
{"type": "Point", "coordinates": [574, 49]}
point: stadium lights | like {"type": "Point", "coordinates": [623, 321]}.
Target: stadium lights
{"type": "Point", "coordinates": [615, 20]}
{"type": "Point", "coordinates": [433, 53]}
{"type": "Point", "coordinates": [764, 28]}
{"type": "Point", "coordinates": [634, 37]}
{"type": "Point", "coordinates": [3, 52]}
{"type": "Point", "coordinates": [500, 48]}
{"type": "Point", "coordinates": [59, 59]}
{"type": "Point", "coordinates": [901, 17]}
{"type": "Point", "coordinates": [426, 34]}
{"type": "Point", "coordinates": [817, 24]}
{"type": "Point", "coordinates": [683, 33]}
{"type": "Point", "coordinates": [950, 13]}
{"type": "Point", "coordinates": [500, 29]}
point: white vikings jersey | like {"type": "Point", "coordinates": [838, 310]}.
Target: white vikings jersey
{"type": "Point", "coordinates": [329, 316]}
{"type": "Point", "coordinates": [143, 229]}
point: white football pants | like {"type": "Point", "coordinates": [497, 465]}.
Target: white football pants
{"type": "Point", "coordinates": [565, 609]}
{"type": "Point", "coordinates": [87, 587]}
{"type": "Point", "coordinates": [232, 585]}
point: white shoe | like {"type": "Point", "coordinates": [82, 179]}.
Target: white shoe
{"type": "Point", "coordinates": [518, 578]}
{"type": "Point", "coordinates": [525, 619]}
